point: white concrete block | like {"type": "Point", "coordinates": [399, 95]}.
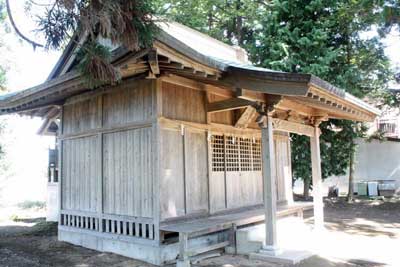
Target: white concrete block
{"type": "Point", "coordinates": [250, 239]}
{"type": "Point", "coordinates": [52, 204]}
{"type": "Point", "coordinates": [284, 257]}
{"type": "Point", "coordinates": [183, 263]}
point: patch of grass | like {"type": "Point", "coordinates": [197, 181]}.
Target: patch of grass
{"type": "Point", "coordinates": [44, 229]}
{"type": "Point", "coordinates": [29, 204]}
{"type": "Point", "coordinates": [14, 218]}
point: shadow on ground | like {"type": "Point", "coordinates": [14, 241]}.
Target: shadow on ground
{"type": "Point", "coordinates": [367, 217]}
{"type": "Point", "coordinates": [239, 261]}
{"type": "Point", "coordinates": [33, 242]}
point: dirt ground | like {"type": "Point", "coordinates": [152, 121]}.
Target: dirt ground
{"type": "Point", "coordinates": [370, 223]}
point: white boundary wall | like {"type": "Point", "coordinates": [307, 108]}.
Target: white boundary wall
{"type": "Point", "coordinates": [375, 160]}
{"type": "Point", "coordinates": [52, 206]}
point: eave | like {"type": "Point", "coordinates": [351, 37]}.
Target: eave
{"type": "Point", "coordinates": [169, 56]}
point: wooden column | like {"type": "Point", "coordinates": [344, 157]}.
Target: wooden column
{"type": "Point", "coordinates": [60, 144]}
{"type": "Point", "coordinates": [317, 180]}
{"type": "Point", "coordinates": [269, 180]}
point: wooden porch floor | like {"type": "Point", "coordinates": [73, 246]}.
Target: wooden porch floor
{"type": "Point", "coordinates": [214, 223]}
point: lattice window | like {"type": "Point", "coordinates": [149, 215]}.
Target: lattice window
{"type": "Point", "coordinates": [235, 154]}
{"type": "Point", "coordinates": [232, 154]}
{"type": "Point", "coordinates": [245, 154]}
{"type": "Point", "coordinates": [256, 145]}
{"type": "Point", "coordinates": [218, 153]}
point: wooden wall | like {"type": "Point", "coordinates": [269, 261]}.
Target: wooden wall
{"type": "Point", "coordinates": [108, 149]}
{"type": "Point", "coordinates": [182, 103]}
{"type": "Point", "coordinates": [184, 188]}
{"type": "Point", "coordinates": [283, 168]}
{"type": "Point", "coordinates": [187, 183]}
{"type": "Point", "coordinates": [81, 172]}
{"type": "Point", "coordinates": [82, 116]}
{"type": "Point", "coordinates": [128, 173]}
{"type": "Point", "coordinates": [183, 178]}
{"type": "Point", "coordinates": [127, 106]}
{"type": "Point", "coordinates": [111, 143]}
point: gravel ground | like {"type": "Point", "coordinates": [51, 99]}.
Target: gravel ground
{"type": "Point", "coordinates": [361, 225]}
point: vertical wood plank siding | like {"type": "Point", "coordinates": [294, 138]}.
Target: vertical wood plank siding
{"type": "Point", "coordinates": [196, 171]}
{"type": "Point", "coordinates": [130, 104]}
{"type": "Point", "coordinates": [172, 174]}
{"type": "Point", "coordinates": [283, 168]}
{"type": "Point", "coordinates": [182, 103]}
{"type": "Point", "coordinates": [81, 171]}
{"type": "Point", "coordinates": [184, 170]}
{"type": "Point", "coordinates": [128, 173]}
{"type": "Point", "coordinates": [82, 116]}
{"type": "Point", "coordinates": [116, 164]}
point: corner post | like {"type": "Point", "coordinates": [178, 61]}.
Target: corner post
{"type": "Point", "coordinates": [317, 179]}
{"type": "Point", "coordinates": [269, 181]}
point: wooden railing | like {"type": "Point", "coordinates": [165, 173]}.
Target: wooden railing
{"type": "Point", "coordinates": [113, 224]}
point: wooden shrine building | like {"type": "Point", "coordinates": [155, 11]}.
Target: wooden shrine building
{"type": "Point", "coordinates": [191, 145]}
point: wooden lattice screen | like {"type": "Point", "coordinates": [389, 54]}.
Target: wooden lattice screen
{"type": "Point", "coordinates": [234, 153]}
{"type": "Point", "coordinates": [218, 153]}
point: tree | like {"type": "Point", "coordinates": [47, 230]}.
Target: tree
{"type": "Point", "coordinates": [321, 37]}
{"type": "Point", "coordinates": [390, 15]}
{"type": "Point", "coordinates": [129, 23]}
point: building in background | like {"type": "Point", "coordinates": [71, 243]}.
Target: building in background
{"type": "Point", "coordinates": [377, 161]}
{"type": "Point", "coordinates": [50, 128]}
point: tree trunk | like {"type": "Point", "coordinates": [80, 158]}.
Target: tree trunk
{"type": "Point", "coordinates": [351, 177]}
{"type": "Point", "coordinates": [306, 189]}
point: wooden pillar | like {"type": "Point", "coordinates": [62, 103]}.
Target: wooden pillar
{"type": "Point", "coordinates": [317, 180]}
{"type": "Point", "coordinates": [269, 181]}
{"type": "Point", "coordinates": [60, 145]}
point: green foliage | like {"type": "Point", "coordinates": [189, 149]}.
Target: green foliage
{"type": "Point", "coordinates": [3, 12]}
{"type": "Point", "coordinates": [390, 15]}
{"type": "Point", "coordinates": [2, 79]}
{"type": "Point", "coordinates": [321, 37]}
{"type": "Point", "coordinates": [126, 23]}
{"type": "Point", "coordinates": [94, 63]}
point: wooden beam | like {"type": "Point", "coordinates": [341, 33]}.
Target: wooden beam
{"type": "Point", "coordinates": [219, 91]}
{"type": "Point", "coordinates": [246, 117]}
{"type": "Point", "coordinates": [172, 65]}
{"type": "Point", "coordinates": [332, 110]}
{"type": "Point", "coordinates": [153, 61]}
{"type": "Point", "coordinates": [293, 127]}
{"type": "Point", "coordinates": [279, 86]}
{"type": "Point", "coordinates": [287, 104]}
{"type": "Point", "coordinates": [182, 81]}
{"type": "Point", "coordinates": [229, 104]}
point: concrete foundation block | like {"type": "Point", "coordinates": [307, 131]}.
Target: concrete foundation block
{"type": "Point", "coordinates": [284, 257]}
{"type": "Point", "coordinates": [185, 263]}
{"type": "Point", "coordinates": [250, 239]}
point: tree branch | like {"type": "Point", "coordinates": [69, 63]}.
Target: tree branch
{"type": "Point", "coordinates": [33, 43]}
